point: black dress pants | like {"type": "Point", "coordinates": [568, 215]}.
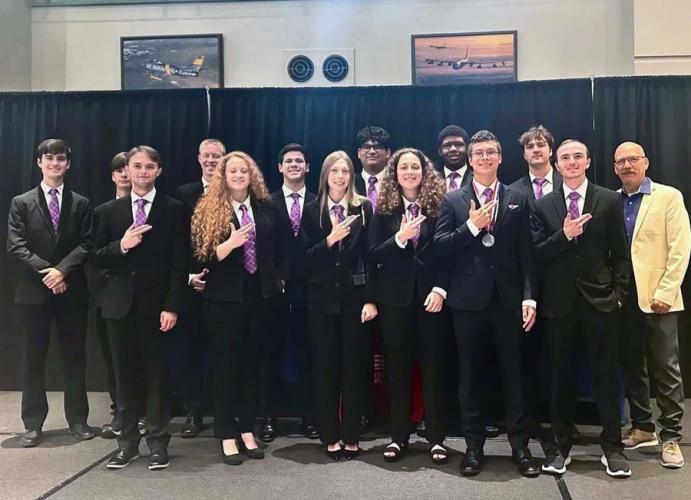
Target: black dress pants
{"type": "Point", "coordinates": [339, 351]}
{"type": "Point", "coordinates": [411, 333]}
{"type": "Point", "coordinates": [137, 345]}
{"type": "Point", "coordinates": [197, 381]}
{"type": "Point", "coordinates": [499, 328]}
{"type": "Point", "coordinates": [599, 333]}
{"type": "Point", "coordinates": [70, 322]}
{"type": "Point", "coordinates": [102, 333]}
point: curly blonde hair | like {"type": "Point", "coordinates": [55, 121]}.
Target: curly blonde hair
{"type": "Point", "coordinates": [212, 215]}
{"type": "Point", "coordinates": [432, 187]}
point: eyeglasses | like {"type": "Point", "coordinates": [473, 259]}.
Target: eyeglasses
{"type": "Point", "coordinates": [633, 161]}
{"type": "Point", "coordinates": [491, 154]}
{"type": "Point", "coordinates": [374, 147]}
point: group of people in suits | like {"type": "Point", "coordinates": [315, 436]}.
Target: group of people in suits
{"type": "Point", "coordinates": [415, 253]}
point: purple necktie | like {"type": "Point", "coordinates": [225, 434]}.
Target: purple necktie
{"type": "Point", "coordinates": [140, 215]}
{"type": "Point", "coordinates": [54, 208]}
{"type": "Point", "coordinates": [452, 181]}
{"type": "Point", "coordinates": [488, 193]}
{"type": "Point", "coordinates": [295, 213]}
{"type": "Point", "coordinates": [372, 192]}
{"type": "Point", "coordinates": [414, 210]}
{"type": "Point", "coordinates": [340, 217]}
{"type": "Point", "coordinates": [250, 246]}
{"type": "Point", "coordinates": [574, 213]}
{"type": "Point", "coordinates": [537, 189]}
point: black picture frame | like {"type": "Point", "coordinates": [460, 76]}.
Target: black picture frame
{"type": "Point", "coordinates": [447, 58]}
{"type": "Point", "coordinates": [171, 61]}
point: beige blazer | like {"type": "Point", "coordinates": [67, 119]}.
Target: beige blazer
{"type": "Point", "coordinates": [660, 247]}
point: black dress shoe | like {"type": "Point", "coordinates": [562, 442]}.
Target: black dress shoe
{"type": "Point", "coordinates": [309, 430]}
{"type": "Point", "coordinates": [122, 458]}
{"type": "Point", "coordinates": [471, 465]}
{"type": "Point", "coordinates": [267, 433]}
{"type": "Point", "coordinates": [111, 430]}
{"type": "Point", "coordinates": [158, 458]}
{"type": "Point", "coordinates": [31, 438]}
{"type": "Point", "coordinates": [82, 431]}
{"type": "Point", "coordinates": [255, 454]}
{"type": "Point", "coordinates": [233, 458]}
{"type": "Point", "coordinates": [350, 454]}
{"type": "Point", "coordinates": [525, 463]}
{"type": "Point", "coordinates": [192, 427]}
{"type": "Point", "coordinates": [334, 455]}
{"type": "Point", "coordinates": [491, 431]}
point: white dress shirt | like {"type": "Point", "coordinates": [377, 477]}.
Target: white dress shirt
{"type": "Point", "coordinates": [147, 206]}
{"type": "Point", "coordinates": [460, 172]}
{"type": "Point", "coordinates": [581, 199]}
{"type": "Point", "coordinates": [46, 189]}
{"type": "Point", "coordinates": [238, 212]}
{"type": "Point", "coordinates": [548, 185]}
{"type": "Point", "coordinates": [288, 194]}
{"type": "Point", "coordinates": [377, 185]}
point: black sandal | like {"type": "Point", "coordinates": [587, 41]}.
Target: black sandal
{"type": "Point", "coordinates": [396, 450]}
{"type": "Point", "coordinates": [439, 454]}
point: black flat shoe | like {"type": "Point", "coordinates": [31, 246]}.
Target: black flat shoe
{"type": "Point", "coordinates": [255, 453]}
{"type": "Point", "coordinates": [232, 459]}
{"type": "Point", "coordinates": [395, 451]}
{"type": "Point", "coordinates": [471, 465]}
{"type": "Point", "coordinates": [350, 454]}
{"type": "Point", "coordinates": [525, 463]}
{"type": "Point", "coordinates": [334, 455]}
{"type": "Point", "coordinates": [31, 438]}
{"type": "Point", "coordinates": [267, 432]}
{"type": "Point", "coordinates": [158, 459]}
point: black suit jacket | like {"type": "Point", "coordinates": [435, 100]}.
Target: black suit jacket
{"type": "Point", "coordinates": [401, 270]}
{"type": "Point", "coordinates": [335, 275]}
{"type": "Point", "coordinates": [34, 243]}
{"type": "Point", "coordinates": [477, 270]}
{"type": "Point", "coordinates": [95, 277]}
{"type": "Point", "coordinates": [225, 279]}
{"type": "Point", "coordinates": [595, 265]}
{"type": "Point", "coordinates": [525, 186]}
{"type": "Point", "coordinates": [154, 273]}
{"type": "Point", "coordinates": [189, 195]}
{"type": "Point", "coordinates": [292, 245]}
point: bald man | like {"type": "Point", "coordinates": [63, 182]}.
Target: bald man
{"type": "Point", "coordinates": [657, 228]}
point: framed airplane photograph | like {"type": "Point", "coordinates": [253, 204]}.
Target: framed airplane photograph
{"type": "Point", "coordinates": [463, 58]}
{"type": "Point", "coordinates": [171, 62]}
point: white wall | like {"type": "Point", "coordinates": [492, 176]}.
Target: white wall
{"type": "Point", "coordinates": [15, 45]}
{"type": "Point", "coordinates": [77, 48]}
{"type": "Point", "coordinates": [662, 41]}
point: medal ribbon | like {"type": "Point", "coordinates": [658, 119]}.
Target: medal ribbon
{"type": "Point", "coordinates": [495, 189]}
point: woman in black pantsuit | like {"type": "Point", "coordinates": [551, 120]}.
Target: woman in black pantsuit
{"type": "Point", "coordinates": [338, 303]}
{"type": "Point", "coordinates": [410, 293]}
{"type": "Point", "coordinates": [234, 235]}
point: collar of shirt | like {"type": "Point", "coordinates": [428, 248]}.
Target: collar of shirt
{"type": "Point", "coordinates": [379, 176]}
{"type": "Point", "coordinates": [148, 196]}
{"type": "Point", "coordinates": [644, 188]}
{"type": "Point", "coordinates": [236, 208]}
{"type": "Point", "coordinates": [205, 184]}
{"type": "Point", "coordinates": [548, 177]}
{"type": "Point", "coordinates": [580, 190]}
{"type": "Point", "coordinates": [287, 192]}
{"type": "Point", "coordinates": [407, 203]}
{"type": "Point", "coordinates": [460, 172]}
{"type": "Point", "coordinates": [330, 204]}
{"type": "Point", "coordinates": [480, 189]}
{"type": "Point", "coordinates": [46, 188]}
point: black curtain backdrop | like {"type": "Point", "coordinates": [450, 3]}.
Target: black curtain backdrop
{"type": "Point", "coordinates": [97, 125]}
{"type": "Point", "coordinates": [653, 111]}
{"type": "Point", "coordinates": [261, 121]}
{"type": "Point", "coordinates": [656, 113]}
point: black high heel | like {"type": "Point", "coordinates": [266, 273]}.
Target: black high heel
{"type": "Point", "coordinates": [232, 459]}
{"type": "Point", "coordinates": [255, 454]}
{"type": "Point", "coordinates": [351, 454]}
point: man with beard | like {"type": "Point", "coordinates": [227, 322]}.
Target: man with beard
{"type": "Point", "coordinates": [452, 143]}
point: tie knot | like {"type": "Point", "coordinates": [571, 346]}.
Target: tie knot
{"type": "Point", "coordinates": [488, 193]}
{"type": "Point", "coordinates": [141, 202]}
{"type": "Point", "coordinates": [539, 181]}
{"type": "Point", "coordinates": [243, 209]}
{"type": "Point", "coordinates": [338, 210]}
{"type": "Point", "coordinates": [414, 209]}
{"type": "Point", "coordinates": [295, 196]}
{"type": "Point", "coordinates": [454, 175]}
{"type": "Point", "coordinates": [53, 192]}
{"type": "Point", "coordinates": [372, 180]}
{"type": "Point", "coordinates": [574, 196]}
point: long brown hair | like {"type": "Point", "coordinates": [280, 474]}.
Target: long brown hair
{"type": "Point", "coordinates": [212, 215]}
{"type": "Point", "coordinates": [351, 198]}
{"type": "Point", "coordinates": [432, 186]}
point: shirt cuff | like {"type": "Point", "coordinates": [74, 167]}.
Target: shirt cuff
{"type": "Point", "coordinates": [530, 302]}
{"type": "Point", "coordinates": [440, 291]}
{"type": "Point", "coordinates": [473, 228]}
{"type": "Point", "coordinates": [122, 250]}
{"type": "Point", "coordinates": [189, 279]}
{"type": "Point", "coordinates": [398, 242]}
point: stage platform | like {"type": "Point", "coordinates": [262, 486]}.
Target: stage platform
{"type": "Point", "coordinates": [296, 468]}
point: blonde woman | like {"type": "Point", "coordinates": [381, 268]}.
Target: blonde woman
{"type": "Point", "coordinates": [234, 235]}
{"type": "Point", "coordinates": [339, 302]}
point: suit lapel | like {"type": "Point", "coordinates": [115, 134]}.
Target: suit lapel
{"type": "Point", "coordinates": [643, 211]}
{"type": "Point", "coordinates": [591, 199]}
{"type": "Point", "coordinates": [503, 200]}
{"type": "Point", "coordinates": [126, 209]}
{"type": "Point", "coordinates": [42, 207]}
{"type": "Point", "coordinates": [156, 208]}
{"type": "Point", "coordinates": [65, 210]}
{"type": "Point", "coordinates": [559, 204]}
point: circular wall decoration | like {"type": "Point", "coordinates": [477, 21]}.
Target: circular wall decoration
{"type": "Point", "coordinates": [300, 68]}
{"type": "Point", "coordinates": [335, 68]}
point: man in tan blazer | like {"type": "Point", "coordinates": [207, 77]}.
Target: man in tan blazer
{"type": "Point", "coordinates": [657, 227]}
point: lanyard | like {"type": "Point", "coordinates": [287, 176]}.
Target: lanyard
{"type": "Point", "coordinates": [495, 196]}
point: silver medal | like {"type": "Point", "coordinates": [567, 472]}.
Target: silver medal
{"type": "Point", "coordinates": [488, 240]}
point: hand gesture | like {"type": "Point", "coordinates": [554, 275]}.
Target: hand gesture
{"type": "Point", "coordinates": [409, 229]}
{"type": "Point", "coordinates": [168, 320]}
{"type": "Point", "coordinates": [59, 288]}
{"type": "Point", "coordinates": [433, 302]}
{"type": "Point", "coordinates": [529, 316]}
{"type": "Point", "coordinates": [369, 312]}
{"type": "Point", "coordinates": [197, 280]}
{"type": "Point", "coordinates": [52, 277]}
{"type": "Point", "coordinates": [483, 215]}
{"type": "Point", "coordinates": [239, 237]}
{"type": "Point", "coordinates": [133, 236]}
{"type": "Point", "coordinates": [340, 230]}
{"type": "Point", "coordinates": [574, 227]}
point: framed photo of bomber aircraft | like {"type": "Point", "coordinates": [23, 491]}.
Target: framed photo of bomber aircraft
{"type": "Point", "coordinates": [171, 62]}
{"type": "Point", "coordinates": [462, 58]}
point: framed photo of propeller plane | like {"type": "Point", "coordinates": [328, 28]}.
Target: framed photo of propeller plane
{"type": "Point", "coordinates": [171, 62]}
{"type": "Point", "coordinates": [462, 58]}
